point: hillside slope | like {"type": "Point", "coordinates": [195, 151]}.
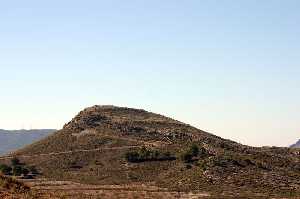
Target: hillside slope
{"type": "Point", "coordinates": [11, 140]}
{"type": "Point", "coordinates": [296, 145]}
{"type": "Point", "coordinates": [113, 145]}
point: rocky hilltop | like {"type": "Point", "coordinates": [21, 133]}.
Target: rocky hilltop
{"type": "Point", "coordinates": [107, 145]}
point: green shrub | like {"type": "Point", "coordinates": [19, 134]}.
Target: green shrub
{"type": "Point", "coordinates": [193, 151]}
{"type": "Point", "coordinates": [186, 156]}
{"type": "Point", "coordinates": [4, 169]}
{"type": "Point", "coordinates": [17, 170]}
{"type": "Point", "coordinates": [33, 170]}
{"type": "Point", "coordinates": [132, 156]}
{"type": "Point", "coordinates": [188, 166]}
{"type": "Point", "coordinates": [25, 171]}
{"type": "Point", "coordinates": [15, 162]}
{"type": "Point", "coordinates": [144, 154]}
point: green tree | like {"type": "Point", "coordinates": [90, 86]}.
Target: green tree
{"type": "Point", "coordinates": [33, 170]}
{"type": "Point", "coordinates": [15, 162]}
{"type": "Point", "coordinates": [4, 169]}
{"type": "Point", "coordinates": [186, 156]}
{"type": "Point", "coordinates": [17, 170]}
{"type": "Point", "coordinates": [194, 149]}
{"type": "Point", "coordinates": [132, 156]}
{"type": "Point", "coordinates": [25, 171]}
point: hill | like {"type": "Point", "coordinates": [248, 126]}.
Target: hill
{"type": "Point", "coordinates": [11, 140]}
{"type": "Point", "coordinates": [296, 145]}
{"type": "Point", "coordinates": [108, 145]}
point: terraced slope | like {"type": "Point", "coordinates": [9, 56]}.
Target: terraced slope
{"type": "Point", "coordinates": [107, 145]}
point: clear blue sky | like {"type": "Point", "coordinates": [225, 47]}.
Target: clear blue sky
{"type": "Point", "coordinates": [228, 67]}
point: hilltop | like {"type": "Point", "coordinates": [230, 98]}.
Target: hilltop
{"type": "Point", "coordinates": [108, 145]}
{"type": "Point", "coordinates": [11, 140]}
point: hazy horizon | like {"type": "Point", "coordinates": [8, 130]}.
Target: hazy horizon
{"type": "Point", "coordinates": [230, 68]}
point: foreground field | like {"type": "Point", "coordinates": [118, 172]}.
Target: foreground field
{"type": "Point", "coordinates": [44, 188]}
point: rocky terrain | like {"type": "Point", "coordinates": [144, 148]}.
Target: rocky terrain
{"type": "Point", "coordinates": [11, 140]}
{"type": "Point", "coordinates": [115, 146]}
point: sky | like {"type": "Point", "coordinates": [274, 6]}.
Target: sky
{"type": "Point", "coordinates": [229, 67]}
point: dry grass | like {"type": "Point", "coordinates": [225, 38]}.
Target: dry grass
{"type": "Point", "coordinates": [228, 168]}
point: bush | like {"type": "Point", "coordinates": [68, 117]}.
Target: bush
{"type": "Point", "coordinates": [142, 155]}
{"type": "Point", "coordinates": [4, 169]}
{"type": "Point", "coordinates": [25, 171]}
{"type": "Point", "coordinates": [193, 151]}
{"type": "Point", "coordinates": [20, 170]}
{"type": "Point", "coordinates": [33, 170]}
{"type": "Point", "coordinates": [188, 166]}
{"type": "Point", "coordinates": [15, 162]}
{"type": "Point", "coordinates": [186, 156]}
{"type": "Point", "coordinates": [132, 156]}
{"type": "Point", "coordinates": [17, 170]}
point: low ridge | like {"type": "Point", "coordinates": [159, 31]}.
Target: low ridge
{"type": "Point", "coordinates": [296, 145]}
{"type": "Point", "coordinates": [11, 140]}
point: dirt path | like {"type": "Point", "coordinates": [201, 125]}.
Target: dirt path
{"type": "Point", "coordinates": [144, 143]}
{"type": "Point", "coordinates": [69, 152]}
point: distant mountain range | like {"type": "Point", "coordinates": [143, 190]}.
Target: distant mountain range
{"type": "Point", "coordinates": [11, 140]}
{"type": "Point", "coordinates": [296, 145]}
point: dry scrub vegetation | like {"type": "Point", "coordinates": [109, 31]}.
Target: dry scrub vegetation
{"type": "Point", "coordinates": [106, 145]}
